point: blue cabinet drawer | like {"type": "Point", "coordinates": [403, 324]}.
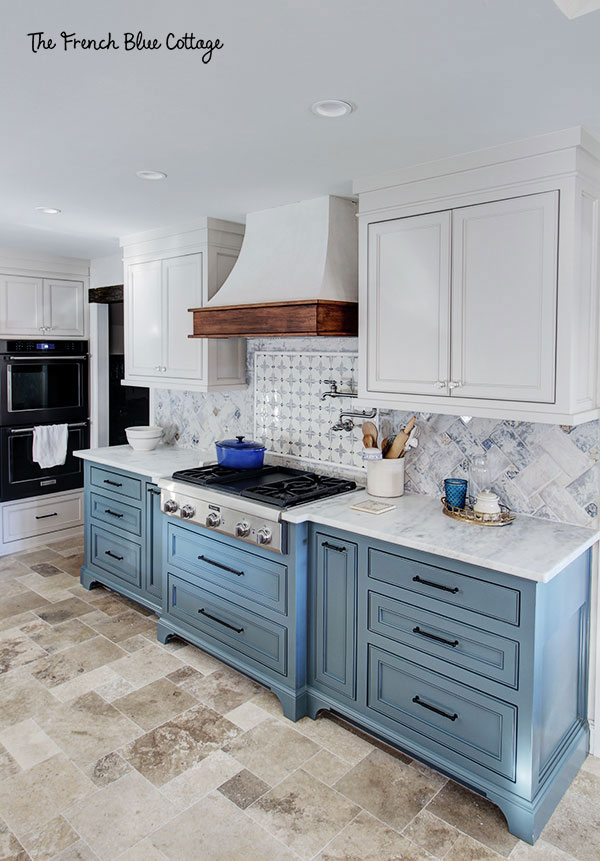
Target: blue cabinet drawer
{"type": "Point", "coordinates": [116, 513]}
{"type": "Point", "coordinates": [449, 587]}
{"type": "Point", "coordinates": [478, 651]}
{"type": "Point", "coordinates": [119, 556]}
{"type": "Point", "coordinates": [474, 725]}
{"type": "Point", "coordinates": [115, 483]}
{"type": "Point", "coordinates": [257, 638]}
{"type": "Point", "coordinates": [246, 574]}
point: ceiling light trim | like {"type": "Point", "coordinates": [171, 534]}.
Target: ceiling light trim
{"type": "Point", "coordinates": [151, 175]}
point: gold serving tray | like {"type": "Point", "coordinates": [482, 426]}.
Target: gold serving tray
{"type": "Point", "coordinates": [504, 518]}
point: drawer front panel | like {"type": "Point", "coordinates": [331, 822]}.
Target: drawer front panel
{"type": "Point", "coordinates": [118, 556]}
{"type": "Point", "coordinates": [115, 483]}
{"type": "Point", "coordinates": [39, 516]}
{"type": "Point", "coordinates": [253, 636]}
{"type": "Point", "coordinates": [239, 571]}
{"type": "Point", "coordinates": [486, 654]}
{"type": "Point", "coordinates": [471, 724]}
{"type": "Point", "coordinates": [454, 589]}
{"type": "Point", "coordinates": [116, 513]}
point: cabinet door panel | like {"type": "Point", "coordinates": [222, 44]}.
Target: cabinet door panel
{"type": "Point", "coordinates": [152, 580]}
{"type": "Point", "coordinates": [143, 307]}
{"type": "Point", "coordinates": [21, 305]}
{"type": "Point", "coordinates": [409, 305]}
{"type": "Point", "coordinates": [504, 299]}
{"type": "Point", "coordinates": [334, 639]}
{"type": "Point", "coordinates": [182, 279]}
{"type": "Point", "coordinates": [64, 307]}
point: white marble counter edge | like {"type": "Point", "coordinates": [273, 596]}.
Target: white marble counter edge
{"type": "Point", "coordinates": [154, 465]}
{"type": "Point", "coordinates": [302, 516]}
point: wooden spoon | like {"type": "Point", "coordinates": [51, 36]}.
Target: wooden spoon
{"type": "Point", "coordinates": [400, 440]}
{"type": "Point", "coordinates": [368, 441]}
{"type": "Point", "coordinates": [369, 429]}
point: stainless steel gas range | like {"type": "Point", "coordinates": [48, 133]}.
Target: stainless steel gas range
{"type": "Point", "coordinates": [245, 504]}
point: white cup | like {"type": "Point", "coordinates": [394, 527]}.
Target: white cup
{"type": "Point", "coordinates": [385, 477]}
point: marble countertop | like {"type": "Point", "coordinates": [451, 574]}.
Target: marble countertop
{"type": "Point", "coordinates": [160, 463]}
{"type": "Point", "coordinates": [530, 548]}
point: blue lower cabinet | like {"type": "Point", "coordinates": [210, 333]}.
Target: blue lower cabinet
{"type": "Point", "coordinates": [123, 535]}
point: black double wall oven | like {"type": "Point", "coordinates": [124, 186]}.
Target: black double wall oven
{"type": "Point", "coordinates": [41, 382]}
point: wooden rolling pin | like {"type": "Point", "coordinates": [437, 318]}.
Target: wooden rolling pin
{"type": "Point", "coordinates": [400, 440]}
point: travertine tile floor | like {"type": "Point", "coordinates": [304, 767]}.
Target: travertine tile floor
{"type": "Point", "coordinates": [113, 746]}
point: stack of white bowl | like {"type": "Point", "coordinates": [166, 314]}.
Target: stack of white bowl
{"type": "Point", "coordinates": [144, 437]}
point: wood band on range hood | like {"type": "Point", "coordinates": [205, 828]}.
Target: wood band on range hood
{"type": "Point", "coordinates": [277, 319]}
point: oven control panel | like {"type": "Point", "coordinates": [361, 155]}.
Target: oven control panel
{"type": "Point", "coordinates": [254, 529]}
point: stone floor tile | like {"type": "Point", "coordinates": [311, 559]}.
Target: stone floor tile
{"type": "Point", "coordinates": [54, 638]}
{"type": "Point", "coordinates": [247, 715]}
{"type": "Point", "coordinates": [108, 768]}
{"type": "Point", "coordinates": [134, 644]}
{"type": "Point", "coordinates": [124, 625]}
{"type": "Point", "coordinates": [11, 622]}
{"type": "Point", "coordinates": [79, 851]}
{"type": "Point", "coordinates": [173, 645]}
{"type": "Point", "coordinates": [30, 799]}
{"type": "Point", "coordinates": [11, 564]}
{"type": "Point", "coordinates": [431, 833]}
{"type": "Point", "coordinates": [23, 698]}
{"type": "Point", "coordinates": [8, 765]}
{"type": "Point", "coordinates": [198, 659]}
{"type": "Point", "coordinates": [69, 609]}
{"type": "Point", "coordinates": [181, 675]}
{"type": "Point", "coordinates": [70, 564]}
{"type": "Point", "coordinates": [592, 764]}
{"type": "Point", "coordinates": [120, 815]}
{"type": "Point", "coordinates": [374, 742]}
{"type": "Point", "coordinates": [128, 604]}
{"type": "Point", "coordinates": [27, 743]}
{"type": "Point", "coordinates": [155, 703]}
{"type": "Point", "coordinates": [114, 689]}
{"type": "Point", "coordinates": [474, 815]}
{"type": "Point", "coordinates": [72, 662]}
{"type": "Point", "coordinates": [95, 680]}
{"type": "Point", "coordinates": [541, 851]}
{"type": "Point", "coordinates": [271, 750]}
{"type": "Point", "coordinates": [575, 824]}
{"type": "Point", "coordinates": [67, 546]}
{"type": "Point", "coordinates": [431, 774]}
{"type": "Point", "coordinates": [201, 779]}
{"type": "Point", "coordinates": [145, 666]}
{"type": "Point", "coordinates": [143, 851]}
{"type": "Point", "coordinates": [467, 849]}
{"type": "Point", "coordinates": [244, 788]}
{"type": "Point", "coordinates": [48, 587]}
{"type": "Point", "coordinates": [368, 839]}
{"type": "Point", "coordinates": [32, 557]}
{"type": "Point", "coordinates": [45, 569]}
{"type": "Point", "coordinates": [303, 813]}
{"type": "Point", "coordinates": [269, 703]}
{"type": "Point", "coordinates": [326, 766]}
{"type": "Point", "coordinates": [17, 649]}
{"type": "Point", "coordinates": [49, 840]}
{"type": "Point", "coordinates": [170, 749]}
{"type": "Point", "coordinates": [223, 690]}
{"type": "Point", "coordinates": [10, 848]}
{"type": "Point", "coordinates": [21, 603]}
{"type": "Point", "coordinates": [216, 829]}
{"type": "Point", "coordinates": [88, 727]}
{"type": "Point", "coordinates": [336, 738]}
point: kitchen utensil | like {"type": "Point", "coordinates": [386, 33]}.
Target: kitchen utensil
{"type": "Point", "coordinates": [456, 491]}
{"type": "Point", "coordinates": [487, 502]}
{"type": "Point", "coordinates": [400, 440]}
{"type": "Point", "coordinates": [369, 429]}
{"type": "Point", "coordinates": [412, 441]}
{"type": "Point", "coordinates": [240, 453]}
{"type": "Point", "coordinates": [144, 437]}
{"type": "Point", "coordinates": [385, 477]}
{"type": "Point", "coordinates": [368, 441]}
{"type": "Point", "coordinates": [385, 445]}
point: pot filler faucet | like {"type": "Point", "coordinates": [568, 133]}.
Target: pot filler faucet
{"type": "Point", "coordinates": [333, 392]}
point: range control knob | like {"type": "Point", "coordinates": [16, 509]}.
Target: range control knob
{"type": "Point", "coordinates": [242, 529]}
{"type": "Point", "coordinates": [188, 511]}
{"type": "Point", "coordinates": [213, 519]}
{"type": "Point", "coordinates": [170, 506]}
{"type": "Point", "coordinates": [264, 536]}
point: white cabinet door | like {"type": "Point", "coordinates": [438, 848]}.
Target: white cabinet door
{"type": "Point", "coordinates": [143, 309]}
{"type": "Point", "coordinates": [408, 306]}
{"type": "Point", "coordinates": [21, 306]}
{"type": "Point", "coordinates": [182, 289]}
{"type": "Point", "coordinates": [504, 284]}
{"type": "Point", "coordinates": [64, 308]}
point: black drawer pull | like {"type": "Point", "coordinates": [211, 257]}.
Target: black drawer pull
{"type": "Point", "coordinates": [453, 643]}
{"type": "Point", "coordinates": [431, 708]}
{"type": "Point", "coordinates": [221, 566]}
{"type": "Point", "coordinates": [112, 513]}
{"type": "Point", "coordinates": [114, 483]}
{"type": "Point", "coordinates": [221, 622]}
{"type": "Point", "coordinates": [154, 490]}
{"type": "Point", "coordinates": [333, 547]}
{"type": "Point", "coordinates": [113, 555]}
{"type": "Point", "coordinates": [418, 579]}
{"type": "Point", "coordinates": [44, 516]}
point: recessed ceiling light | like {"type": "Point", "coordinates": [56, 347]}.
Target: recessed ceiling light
{"type": "Point", "coordinates": [47, 210]}
{"type": "Point", "coordinates": [332, 108]}
{"type": "Point", "coordinates": [151, 174]}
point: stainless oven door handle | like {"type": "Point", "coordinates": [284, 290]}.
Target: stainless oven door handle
{"type": "Point", "coordinates": [44, 357]}
{"type": "Point", "coordinates": [30, 430]}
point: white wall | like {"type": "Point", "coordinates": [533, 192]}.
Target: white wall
{"type": "Point", "coordinates": [106, 271]}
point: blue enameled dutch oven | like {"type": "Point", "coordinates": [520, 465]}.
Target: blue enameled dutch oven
{"type": "Point", "coordinates": [240, 454]}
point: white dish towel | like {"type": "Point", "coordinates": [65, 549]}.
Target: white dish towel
{"type": "Point", "coordinates": [50, 445]}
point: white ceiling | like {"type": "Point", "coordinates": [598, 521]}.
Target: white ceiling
{"type": "Point", "coordinates": [430, 78]}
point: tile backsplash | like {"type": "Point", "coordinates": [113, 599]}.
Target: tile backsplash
{"type": "Point", "coordinates": [548, 471]}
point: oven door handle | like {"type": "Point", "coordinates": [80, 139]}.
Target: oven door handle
{"type": "Point", "coordinates": [30, 430]}
{"type": "Point", "coordinates": [44, 357]}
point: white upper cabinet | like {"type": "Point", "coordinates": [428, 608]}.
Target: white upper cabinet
{"type": "Point", "coordinates": [408, 305]}
{"type": "Point", "coordinates": [479, 283]}
{"type": "Point", "coordinates": [166, 274]}
{"type": "Point", "coordinates": [33, 306]}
